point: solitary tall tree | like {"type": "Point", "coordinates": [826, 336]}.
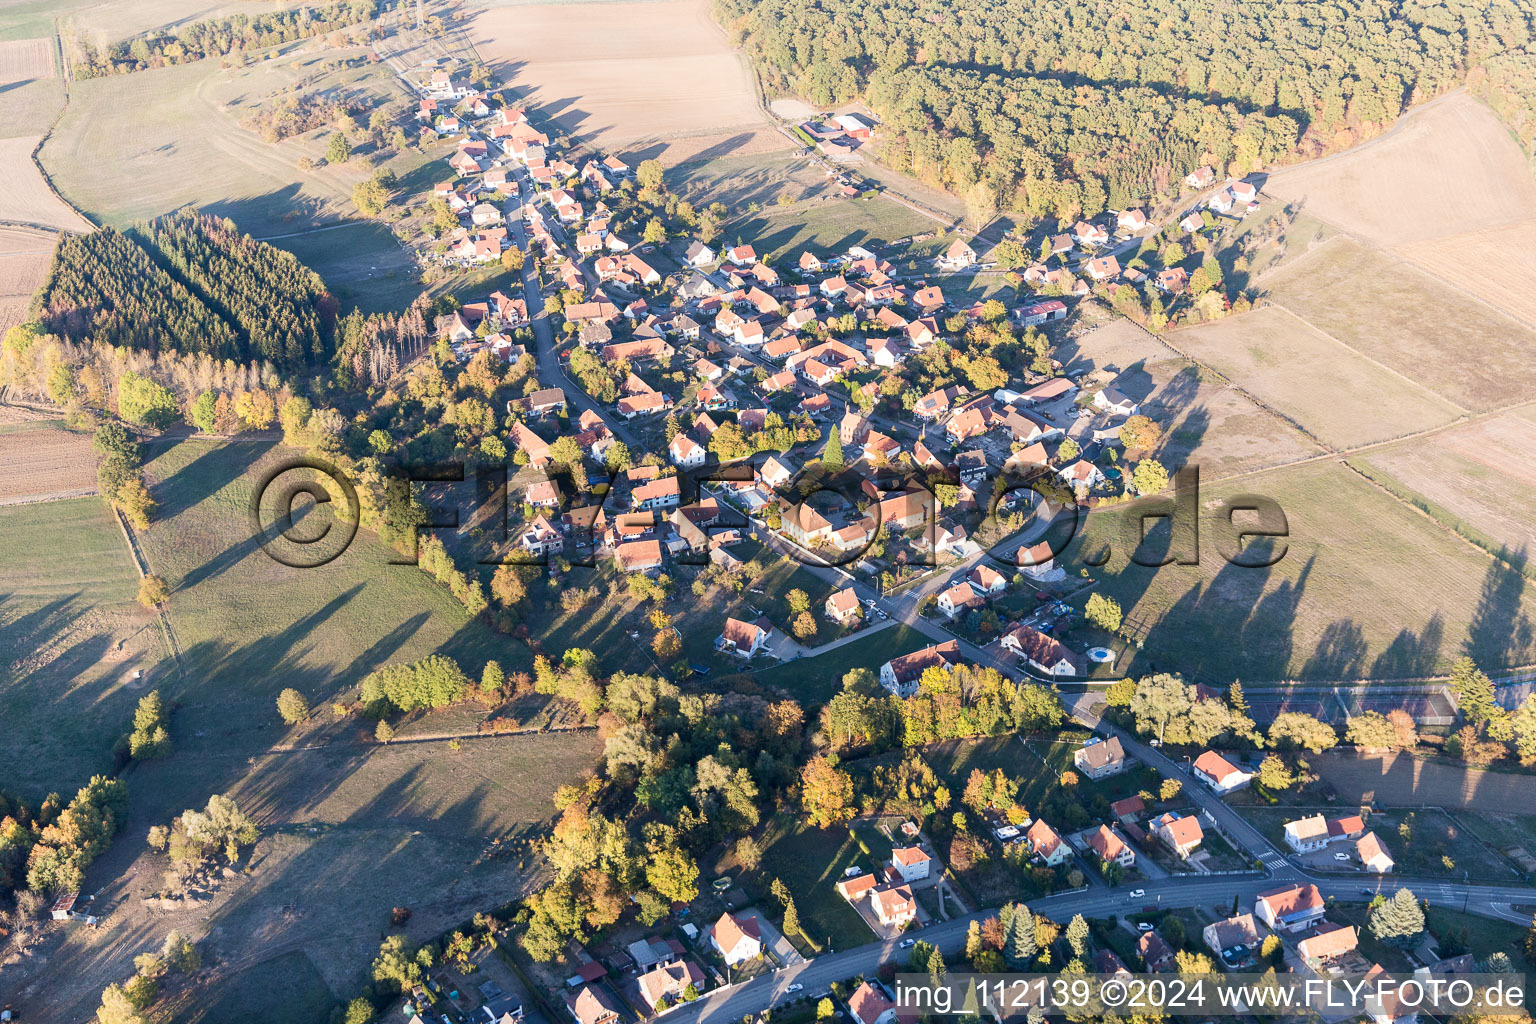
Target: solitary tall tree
{"type": "Point", "coordinates": [832, 454]}
{"type": "Point", "coordinates": [1398, 920]}
{"type": "Point", "coordinates": [1021, 939]}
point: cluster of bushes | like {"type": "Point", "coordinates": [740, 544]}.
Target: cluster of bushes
{"type": "Point", "coordinates": [120, 473]}
{"type": "Point", "coordinates": [433, 682]}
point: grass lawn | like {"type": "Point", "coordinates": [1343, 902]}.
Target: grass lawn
{"type": "Point", "coordinates": [1398, 320]}
{"type": "Point", "coordinates": [1502, 830]}
{"type": "Point", "coordinates": [1472, 933]}
{"type": "Point", "coordinates": [1269, 353]}
{"type": "Point", "coordinates": [1308, 616]}
{"type": "Point", "coordinates": [71, 638]}
{"type": "Point", "coordinates": [33, 106]}
{"type": "Point", "coordinates": [248, 626]}
{"type": "Point", "coordinates": [362, 264]}
{"type": "Point", "coordinates": [285, 988]}
{"type": "Point", "coordinates": [817, 680]}
{"type": "Point", "coordinates": [827, 227]}
{"type": "Point", "coordinates": [173, 137]}
{"type": "Point", "coordinates": [810, 862]}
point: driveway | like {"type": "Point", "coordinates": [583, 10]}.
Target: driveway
{"type": "Point", "coordinates": [773, 939]}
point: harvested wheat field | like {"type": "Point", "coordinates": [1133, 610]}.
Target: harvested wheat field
{"type": "Point", "coordinates": [1333, 392]}
{"type": "Point", "coordinates": [640, 78]}
{"type": "Point", "coordinates": [42, 461]}
{"type": "Point", "coordinates": [22, 60]}
{"type": "Point", "coordinates": [26, 199]}
{"type": "Point", "coordinates": [1477, 477]}
{"type": "Point", "coordinates": [1406, 319]}
{"type": "Point", "coordinates": [1497, 265]}
{"type": "Point", "coordinates": [24, 256]}
{"type": "Point", "coordinates": [1206, 423]}
{"type": "Point", "coordinates": [1446, 169]}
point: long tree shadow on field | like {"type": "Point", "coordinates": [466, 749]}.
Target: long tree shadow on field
{"type": "Point", "coordinates": [1411, 655]}
{"type": "Point", "coordinates": [1501, 633]}
{"type": "Point", "coordinates": [206, 475]}
{"type": "Point", "coordinates": [1340, 653]}
{"type": "Point", "coordinates": [273, 656]}
{"type": "Point", "coordinates": [380, 651]}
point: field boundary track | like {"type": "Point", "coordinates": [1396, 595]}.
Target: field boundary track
{"type": "Point", "coordinates": [141, 564]}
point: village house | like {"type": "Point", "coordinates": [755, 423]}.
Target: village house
{"type": "Point", "coordinates": [638, 556]}
{"type": "Point", "coordinates": [1245, 192]}
{"type": "Point", "coordinates": [1044, 653]}
{"type": "Point", "coordinates": [663, 492]}
{"type": "Point", "coordinates": [900, 675]}
{"type": "Point", "coordinates": [910, 862]}
{"type": "Point", "coordinates": [1292, 909]}
{"type": "Point", "coordinates": [1220, 774]}
{"type": "Point", "coordinates": [1110, 848]}
{"type": "Point", "coordinates": [1155, 952]}
{"type": "Point", "coordinates": [805, 526]}
{"type": "Point", "coordinates": [686, 452]}
{"type": "Point", "coordinates": [958, 256]}
{"type": "Point", "coordinates": [959, 599]}
{"type": "Point", "coordinates": [525, 440]}
{"type": "Point", "coordinates": [591, 1005]}
{"type": "Point", "coordinates": [1082, 476]}
{"type": "Point", "coordinates": [936, 403]}
{"type": "Point", "coordinates": [1323, 948]}
{"type": "Point", "coordinates": [737, 939]}
{"type": "Point", "coordinates": [1373, 855]}
{"type": "Point", "coordinates": [1046, 844]}
{"type": "Point", "coordinates": [1203, 177]}
{"type": "Point", "coordinates": [700, 255]}
{"type": "Point", "coordinates": [645, 403]}
{"type": "Point", "coordinates": [1306, 834]}
{"type": "Point", "coordinates": [987, 580]}
{"type": "Point", "coordinates": [1181, 833]}
{"type": "Point", "coordinates": [541, 538]}
{"type": "Point", "coordinates": [1036, 560]}
{"type": "Point", "coordinates": [1100, 758]}
{"type": "Point", "coordinates": [894, 905]}
{"type": "Point", "coordinates": [1235, 940]}
{"type": "Point", "coordinates": [743, 639]}
{"type": "Point", "coordinates": [774, 473]}
{"type": "Point", "coordinates": [548, 402]}
{"type": "Point", "coordinates": [1192, 222]}
{"type": "Point", "coordinates": [1104, 268]}
{"type": "Point", "coordinates": [1085, 233]}
{"type": "Point", "coordinates": [543, 494]}
{"type": "Point", "coordinates": [869, 1005]}
{"type": "Point", "coordinates": [1172, 281]}
{"type": "Point", "coordinates": [842, 607]}
{"type": "Point", "coordinates": [1130, 222]}
{"type": "Point", "coordinates": [666, 984]}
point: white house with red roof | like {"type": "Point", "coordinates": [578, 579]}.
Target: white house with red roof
{"type": "Point", "coordinates": [1110, 848]}
{"type": "Point", "coordinates": [910, 862]}
{"type": "Point", "coordinates": [894, 906]}
{"type": "Point", "coordinates": [742, 639]}
{"type": "Point", "coordinates": [1292, 909]}
{"type": "Point", "coordinates": [1220, 774]}
{"type": "Point", "coordinates": [686, 452]}
{"type": "Point", "coordinates": [1046, 844]}
{"type": "Point", "coordinates": [1181, 833]}
{"type": "Point", "coordinates": [737, 939]}
{"type": "Point", "coordinates": [869, 1005]}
